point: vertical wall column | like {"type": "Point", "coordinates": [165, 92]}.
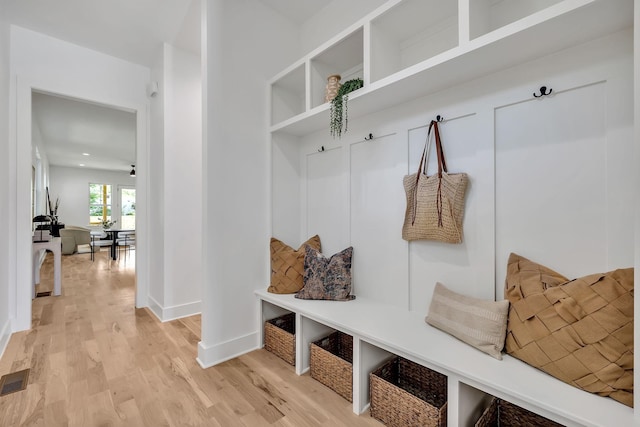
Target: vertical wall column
{"type": "Point", "coordinates": [211, 48]}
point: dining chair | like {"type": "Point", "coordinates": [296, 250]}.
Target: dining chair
{"type": "Point", "coordinates": [126, 241]}
{"type": "Point", "coordinates": [97, 241]}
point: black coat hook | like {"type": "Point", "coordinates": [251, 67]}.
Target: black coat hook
{"type": "Point", "coordinates": [369, 138]}
{"type": "Point", "coordinates": [439, 118]}
{"type": "Point", "coordinates": [321, 149]}
{"type": "Point", "coordinates": [543, 92]}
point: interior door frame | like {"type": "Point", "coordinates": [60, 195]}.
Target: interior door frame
{"type": "Point", "coordinates": [20, 224]}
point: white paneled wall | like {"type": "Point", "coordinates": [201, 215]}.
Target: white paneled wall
{"type": "Point", "coordinates": [325, 198]}
{"type": "Point", "coordinates": [376, 212]}
{"type": "Point", "coordinates": [546, 178]}
{"type": "Point", "coordinates": [458, 266]}
{"type": "Point", "coordinates": [551, 181]}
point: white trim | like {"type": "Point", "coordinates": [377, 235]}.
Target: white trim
{"type": "Point", "coordinates": [23, 116]}
{"type": "Point", "coordinates": [167, 314]}
{"type": "Point", "coordinates": [209, 356]}
{"type": "Point", "coordinates": [155, 308]}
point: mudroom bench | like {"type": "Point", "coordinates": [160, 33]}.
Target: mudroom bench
{"type": "Point", "coordinates": [380, 331]}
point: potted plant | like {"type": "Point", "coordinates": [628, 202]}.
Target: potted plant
{"type": "Point", "coordinates": [338, 113]}
{"type": "Point", "coordinates": [107, 224]}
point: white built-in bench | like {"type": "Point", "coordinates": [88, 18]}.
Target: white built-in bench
{"type": "Point", "coordinates": [379, 330]}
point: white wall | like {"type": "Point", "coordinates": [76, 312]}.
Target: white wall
{"type": "Point", "coordinates": [5, 303]}
{"type": "Point", "coordinates": [71, 185]}
{"type": "Point", "coordinates": [238, 64]}
{"type": "Point", "coordinates": [156, 187]}
{"type": "Point", "coordinates": [181, 205]}
{"type": "Point", "coordinates": [51, 65]}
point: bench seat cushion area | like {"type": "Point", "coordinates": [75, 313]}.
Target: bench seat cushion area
{"type": "Point", "coordinates": [580, 331]}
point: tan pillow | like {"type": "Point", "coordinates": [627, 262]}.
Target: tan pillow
{"type": "Point", "coordinates": [480, 323]}
{"type": "Point", "coordinates": [580, 331]}
{"type": "Point", "coordinates": [287, 266]}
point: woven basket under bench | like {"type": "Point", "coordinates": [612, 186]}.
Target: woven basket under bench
{"type": "Point", "coordinates": [280, 338]}
{"type": "Point", "coordinates": [503, 413]}
{"type": "Point", "coordinates": [405, 394]}
{"type": "Point", "coordinates": [332, 363]}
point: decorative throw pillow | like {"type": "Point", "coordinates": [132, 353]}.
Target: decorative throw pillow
{"type": "Point", "coordinates": [480, 323]}
{"type": "Point", "coordinates": [580, 331]}
{"type": "Point", "coordinates": [287, 266]}
{"type": "Point", "coordinates": [328, 279]}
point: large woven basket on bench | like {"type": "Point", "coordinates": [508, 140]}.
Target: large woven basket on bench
{"type": "Point", "coordinates": [332, 363]}
{"type": "Point", "coordinates": [280, 338]}
{"type": "Point", "coordinates": [405, 394]}
{"type": "Point", "coordinates": [503, 413]}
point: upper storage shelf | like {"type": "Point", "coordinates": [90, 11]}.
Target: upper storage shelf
{"type": "Point", "coordinates": [411, 48]}
{"type": "Point", "coordinates": [344, 58]}
{"type": "Point", "coordinates": [411, 32]}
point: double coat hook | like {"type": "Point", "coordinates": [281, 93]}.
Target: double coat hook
{"type": "Point", "coordinates": [543, 92]}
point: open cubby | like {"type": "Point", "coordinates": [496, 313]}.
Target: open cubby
{"type": "Point", "coordinates": [344, 58]}
{"type": "Point", "coordinates": [288, 95]}
{"type": "Point", "coordinates": [489, 15]}
{"type": "Point", "coordinates": [411, 32]}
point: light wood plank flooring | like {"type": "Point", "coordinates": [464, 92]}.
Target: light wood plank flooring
{"type": "Point", "coordinates": [95, 360]}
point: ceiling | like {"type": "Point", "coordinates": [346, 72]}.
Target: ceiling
{"type": "Point", "coordinates": [82, 134]}
{"type": "Point", "coordinates": [134, 30]}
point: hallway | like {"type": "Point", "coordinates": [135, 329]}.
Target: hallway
{"type": "Point", "coordinates": [95, 360]}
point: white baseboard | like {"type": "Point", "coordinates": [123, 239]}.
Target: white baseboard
{"type": "Point", "coordinates": [209, 356]}
{"type": "Point", "coordinates": [155, 308]}
{"type": "Point", "coordinates": [166, 314]}
{"type": "Point", "coordinates": [5, 335]}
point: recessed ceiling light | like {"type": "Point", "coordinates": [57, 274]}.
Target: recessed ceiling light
{"type": "Point", "coordinates": [86, 154]}
{"type": "Point", "coordinates": [81, 164]}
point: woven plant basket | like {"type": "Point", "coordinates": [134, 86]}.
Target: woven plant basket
{"type": "Point", "coordinates": [331, 363]}
{"type": "Point", "coordinates": [280, 338]}
{"type": "Point", "coordinates": [405, 394]}
{"type": "Point", "coordinates": [503, 413]}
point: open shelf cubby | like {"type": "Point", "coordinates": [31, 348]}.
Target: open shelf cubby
{"type": "Point", "coordinates": [288, 95]}
{"type": "Point", "coordinates": [411, 32]}
{"type": "Point", "coordinates": [489, 15]}
{"type": "Point", "coordinates": [344, 58]}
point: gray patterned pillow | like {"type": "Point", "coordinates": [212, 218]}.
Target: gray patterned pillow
{"type": "Point", "coordinates": [328, 279]}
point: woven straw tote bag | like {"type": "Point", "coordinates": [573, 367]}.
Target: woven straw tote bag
{"type": "Point", "coordinates": [435, 204]}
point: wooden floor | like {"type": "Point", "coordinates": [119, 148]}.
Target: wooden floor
{"type": "Point", "coordinates": [95, 360]}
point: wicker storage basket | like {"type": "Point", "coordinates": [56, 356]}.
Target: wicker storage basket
{"type": "Point", "coordinates": [280, 338]}
{"type": "Point", "coordinates": [404, 394]}
{"type": "Point", "coordinates": [503, 413]}
{"type": "Point", "coordinates": [331, 363]}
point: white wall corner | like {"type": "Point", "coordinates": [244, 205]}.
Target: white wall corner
{"type": "Point", "coordinates": [211, 355]}
{"type": "Point", "coordinates": [181, 310]}
{"type": "Point", "coordinates": [155, 308]}
{"type": "Point", "coordinates": [167, 314]}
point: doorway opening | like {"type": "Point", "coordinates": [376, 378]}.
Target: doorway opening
{"type": "Point", "coordinates": [27, 138]}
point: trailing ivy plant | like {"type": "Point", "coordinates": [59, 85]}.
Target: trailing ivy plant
{"type": "Point", "coordinates": [339, 113]}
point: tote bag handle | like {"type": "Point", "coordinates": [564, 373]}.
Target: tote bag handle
{"type": "Point", "coordinates": [422, 169]}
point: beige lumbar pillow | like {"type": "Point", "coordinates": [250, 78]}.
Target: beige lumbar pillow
{"type": "Point", "coordinates": [479, 323]}
{"type": "Point", "coordinates": [287, 265]}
